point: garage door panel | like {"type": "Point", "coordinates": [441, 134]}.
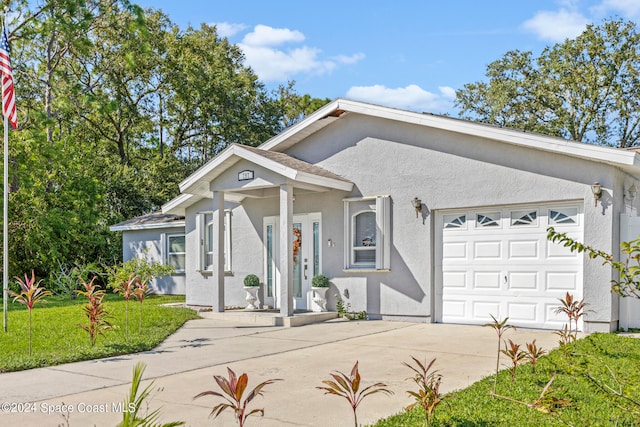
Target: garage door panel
{"type": "Point", "coordinates": [523, 249]}
{"type": "Point", "coordinates": [558, 319]}
{"type": "Point", "coordinates": [523, 280]}
{"type": "Point", "coordinates": [562, 281]}
{"type": "Point", "coordinates": [455, 309]}
{"type": "Point", "coordinates": [487, 250]}
{"type": "Point", "coordinates": [486, 279]}
{"type": "Point", "coordinates": [523, 312]}
{"type": "Point", "coordinates": [454, 279]}
{"type": "Point", "coordinates": [555, 250]}
{"type": "Point", "coordinates": [499, 262]}
{"type": "Point", "coordinates": [454, 250]}
{"type": "Point", "coordinates": [482, 310]}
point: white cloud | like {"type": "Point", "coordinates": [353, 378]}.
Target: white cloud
{"type": "Point", "coordinates": [344, 59]}
{"type": "Point", "coordinates": [556, 26]}
{"type": "Point", "coordinates": [263, 35]}
{"type": "Point", "coordinates": [630, 8]}
{"type": "Point", "coordinates": [412, 97]}
{"type": "Point", "coordinates": [275, 63]}
{"type": "Point", "coordinates": [228, 29]}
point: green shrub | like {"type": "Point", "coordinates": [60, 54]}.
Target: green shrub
{"type": "Point", "coordinates": [320, 281]}
{"type": "Point", "coordinates": [251, 280]}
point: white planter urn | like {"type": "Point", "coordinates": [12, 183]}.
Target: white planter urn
{"type": "Point", "coordinates": [253, 303]}
{"type": "Point", "coordinates": [319, 298]}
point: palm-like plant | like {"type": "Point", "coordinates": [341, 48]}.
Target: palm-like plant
{"type": "Point", "coordinates": [500, 328]}
{"type": "Point", "coordinates": [349, 388]}
{"type": "Point", "coordinates": [31, 293]}
{"type": "Point", "coordinates": [131, 412]}
{"type": "Point", "coordinates": [94, 310]}
{"type": "Point", "coordinates": [233, 389]}
{"type": "Point", "coordinates": [428, 395]}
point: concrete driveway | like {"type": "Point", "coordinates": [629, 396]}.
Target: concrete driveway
{"type": "Point", "coordinates": [88, 393]}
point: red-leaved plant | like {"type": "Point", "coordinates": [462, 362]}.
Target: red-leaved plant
{"type": "Point", "coordinates": [94, 310]}
{"type": "Point", "coordinates": [428, 395]}
{"type": "Point", "coordinates": [233, 389]}
{"type": "Point", "coordinates": [126, 289]}
{"type": "Point", "coordinates": [516, 355]}
{"type": "Point", "coordinates": [349, 388]}
{"type": "Point", "coordinates": [31, 293]}
{"type": "Point", "coordinates": [142, 289]}
{"type": "Point", "coordinates": [500, 328]}
{"type": "Point", "coordinates": [574, 310]}
{"type": "Point", "coordinates": [533, 353]}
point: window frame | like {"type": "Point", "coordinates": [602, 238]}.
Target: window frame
{"type": "Point", "coordinates": [204, 224]}
{"type": "Point", "coordinates": [168, 251]}
{"type": "Point", "coordinates": [382, 209]}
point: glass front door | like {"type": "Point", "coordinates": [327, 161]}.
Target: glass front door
{"type": "Point", "coordinates": [305, 242]}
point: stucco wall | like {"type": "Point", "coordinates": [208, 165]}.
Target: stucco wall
{"type": "Point", "coordinates": [147, 244]}
{"type": "Point", "coordinates": [448, 170]}
{"type": "Point", "coordinates": [246, 256]}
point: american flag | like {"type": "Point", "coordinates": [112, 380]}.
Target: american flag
{"type": "Point", "coordinates": [8, 94]}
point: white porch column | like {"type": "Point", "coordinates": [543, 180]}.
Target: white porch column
{"type": "Point", "coordinates": [218, 237]}
{"type": "Point", "coordinates": [286, 249]}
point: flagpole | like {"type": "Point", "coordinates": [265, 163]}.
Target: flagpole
{"type": "Point", "coordinates": [5, 226]}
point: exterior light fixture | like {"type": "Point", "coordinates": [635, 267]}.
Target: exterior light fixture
{"type": "Point", "coordinates": [417, 204]}
{"type": "Point", "coordinates": [631, 193]}
{"type": "Point", "coordinates": [596, 189]}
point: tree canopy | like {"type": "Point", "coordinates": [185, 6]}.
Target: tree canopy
{"type": "Point", "coordinates": [586, 89]}
{"type": "Point", "coordinates": [117, 105]}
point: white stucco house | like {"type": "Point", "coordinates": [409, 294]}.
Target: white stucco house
{"type": "Point", "coordinates": [411, 216]}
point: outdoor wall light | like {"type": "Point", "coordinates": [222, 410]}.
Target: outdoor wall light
{"type": "Point", "coordinates": [631, 193]}
{"type": "Point", "coordinates": [596, 189]}
{"type": "Point", "coordinates": [417, 204]}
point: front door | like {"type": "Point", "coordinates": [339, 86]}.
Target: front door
{"type": "Point", "coordinates": [305, 240]}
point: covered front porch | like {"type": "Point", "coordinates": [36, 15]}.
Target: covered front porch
{"type": "Point", "coordinates": [240, 174]}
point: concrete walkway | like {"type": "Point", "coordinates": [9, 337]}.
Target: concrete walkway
{"type": "Point", "coordinates": [185, 363]}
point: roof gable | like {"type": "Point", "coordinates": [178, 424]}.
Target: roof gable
{"type": "Point", "coordinates": [340, 107]}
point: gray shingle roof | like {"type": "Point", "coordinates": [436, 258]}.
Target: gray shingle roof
{"type": "Point", "coordinates": [293, 163]}
{"type": "Point", "coordinates": [154, 218]}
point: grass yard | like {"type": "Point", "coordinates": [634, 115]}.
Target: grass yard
{"type": "Point", "coordinates": [610, 360]}
{"type": "Point", "coordinates": [57, 338]}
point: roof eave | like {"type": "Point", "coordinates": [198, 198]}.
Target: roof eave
{"type": "Point", "coordinates": [173, 224]}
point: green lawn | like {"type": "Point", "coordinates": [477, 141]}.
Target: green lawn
{"type": "Point", "coordinates": [57, 338]}
{"type": "Point", "coordinates": [611, 360]}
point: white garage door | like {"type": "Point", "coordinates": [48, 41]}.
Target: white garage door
{"type": "Point", "coordinates": [498, 261]}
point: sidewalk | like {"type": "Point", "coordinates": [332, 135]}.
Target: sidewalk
{"type": "Point", "coordinates": [185, 363]}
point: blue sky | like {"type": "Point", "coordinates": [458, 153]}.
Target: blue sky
{"type": "Point", "coordinates": [404, 54]}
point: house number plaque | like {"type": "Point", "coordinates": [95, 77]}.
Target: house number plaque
{"type": "Point", "coordinates": [245, 175]}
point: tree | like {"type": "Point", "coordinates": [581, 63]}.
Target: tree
{"type": "Point", "coordinates": [117, 105]}
{"type": "Point", "coordinates": [586, 89]}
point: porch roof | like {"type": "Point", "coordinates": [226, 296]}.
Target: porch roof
{"type": "Point", "coordinates": [198, 185]}
{"type": "Point", "coordinates": [149, 221]}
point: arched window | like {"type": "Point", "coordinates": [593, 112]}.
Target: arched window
{"type": "Point", "coordinates": [364, 239]}
{"type": "Point", "coordinates": [367, 233]}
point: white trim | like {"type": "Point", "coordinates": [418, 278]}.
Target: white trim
{"type": "Point", "coordinates": [203, 175]}
{"type": "Point", "coordinates": [509, 136]}
{"type": "Point", "coordinates": [178, 204]}
{"type": "Point", "coordinates": [168, 252]}
{"type": "Point", "coordinates": [205, 247]}
{"type": "Point", "coordinates": [163, 248]}
{"type": "Point", "coordinates": [173, 224]}
{"type": "Point", "coordinates": [382, 210]}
